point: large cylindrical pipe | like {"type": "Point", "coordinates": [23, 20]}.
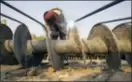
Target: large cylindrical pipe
{"type": "Point", "coordinates": [61, 46]}
{"type": "Point", "coordinates": [37, 46]}
{"type": "Point", "coordinates": [95, 45]}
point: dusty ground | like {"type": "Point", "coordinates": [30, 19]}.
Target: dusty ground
{"type": "Point", "coordinates": [73, 72]}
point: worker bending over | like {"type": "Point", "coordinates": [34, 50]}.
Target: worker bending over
{"type": "Point", "coordinates": [56, 25]}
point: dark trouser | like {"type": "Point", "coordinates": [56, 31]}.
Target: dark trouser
{"type": "Point", "coordinates": [62, 36]}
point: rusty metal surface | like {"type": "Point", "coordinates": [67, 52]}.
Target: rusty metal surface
{"type": "Point", "coordinates": [124, 32]}
{"type": "Point", "coordinates": [124, 46]}
{"type": "Point", "coordinates": [102, 31]}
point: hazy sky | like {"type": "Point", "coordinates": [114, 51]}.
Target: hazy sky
{"type": "Point", "coordinates": [72, 11]}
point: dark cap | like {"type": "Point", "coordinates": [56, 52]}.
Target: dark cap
{"type": "Point", "coordinates": [49, 15]}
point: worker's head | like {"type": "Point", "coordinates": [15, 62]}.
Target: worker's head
{"type": "Point", "coordinates": [49, 16]}
{"type": "Point", "coordinates": [52, 14]}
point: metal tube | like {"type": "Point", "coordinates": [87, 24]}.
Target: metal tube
{"type": "Point", "coordinates": [100, 9]}
{"type": "Point", "coordinates": [96, 45]}
{"type": "Point", "coordinates": [66, 46]}
{"type": "Point", "coordinates": [37, 46]}
{"type": "Point", "coordinates": [10, 18]}
{"type": "Point", "coordinates": [115, 20]}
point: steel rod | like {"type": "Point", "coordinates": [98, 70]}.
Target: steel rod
{"type": "Point", "coordinates": [14, 8]}
{"type": "Point", "coordinates": [115, 20]}
{"type": "Point", "coordinates": [100, 9]}
{"type": "Point", "coordinates": [10, 18]}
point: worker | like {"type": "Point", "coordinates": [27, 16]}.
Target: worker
{"type": "Point", "coordinates": [56, 25]}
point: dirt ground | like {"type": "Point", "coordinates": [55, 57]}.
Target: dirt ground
{"type": "Point", "coordinates": [75, 71]}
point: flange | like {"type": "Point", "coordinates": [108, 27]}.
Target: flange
{"type": "Point", "coordinates": [113, 58]}
{"type": "Point", "coordinates": [5, 57]}
{"type": "Point", "coordinates": [21, 36]}
{"type": "Point", "coordinates": [123, 32]}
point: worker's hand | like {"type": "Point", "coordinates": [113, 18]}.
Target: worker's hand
{"type": "Point", "coordinates": [54, 34]}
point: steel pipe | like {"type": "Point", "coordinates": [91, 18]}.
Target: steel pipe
{"type": "Point", "coordinates": [96, 45]}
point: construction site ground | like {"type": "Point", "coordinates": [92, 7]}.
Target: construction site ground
{"type": "Point", "coordinates": [75, 71]}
